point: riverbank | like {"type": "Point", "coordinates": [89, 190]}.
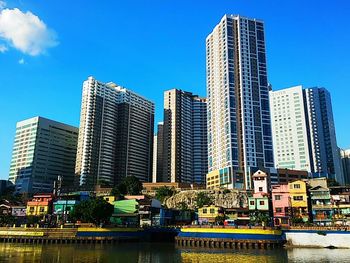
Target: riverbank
{"type": "Point", "coordinates": [187, 236]}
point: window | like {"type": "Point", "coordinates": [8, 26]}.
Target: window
{"type": "Point", "coordinates": [42, 209]}
{"type": "Point", "coordinates": [252, 203]}
{"type": "Point", "coordinates": [262, 202]}
{"type": "Point", "coordinates": [260, 189]}
{"type": "Point", "coordinates": [212, 211]}
{"type": "Point", "coordinates": [204, 211]}
{"type": "Point", "coordinates": [296, 186]}
{"type": "Point", "coordinates": [298, 198]}
{"type": "Point", "coordinates": [278, 210]}
{"type": "Point", "coordinates": [277, 197]}
{"type": "Point", "coordinates": [31, 209]}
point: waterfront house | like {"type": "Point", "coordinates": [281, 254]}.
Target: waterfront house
{"type": "Point", "coordinates": [65, 203]}
{"type": "Point", "coordinates": [321, 207]}
{"type": "Point", "coordinates": [299, 201]}
{"type": "Point", "coordinates": [39, 205]}
{"type": "Point", "coordinates": [259, 201]}
{"type": "Point", "coordinates": [125, 212]}
{"type": "Point", "coordinates": [207, 214]}
{"type": "Point", "coordinates": [240, 215]}
{"type": "Point", "coordinates": [281, 204]}
{"type": "Point", "coordinates": [340, 198]}
{"type": "Point", "coordinates": [5, 207]}
{"type": "Point", "coordinates": [149, 212]}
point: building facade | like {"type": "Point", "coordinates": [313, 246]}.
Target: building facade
{"type": "Point", "coordinates": [304, 133]}
{"type": "Point", "coordinates": [345, 158]}
{"type": "Point", "coordinates": [43, 150]}
{"type": "Point", "coordinates": [115, 136]}
{"type": "Point", "coordinates": [324, 155]}
{"type": "Point", "coordinates": [158, 148]}
{"type": "Point", "coordinates": [290, 137]}
{"type": "Point", "coordinates": [185, 137]}
{"type": "Point", "coordinates": [239, 124]}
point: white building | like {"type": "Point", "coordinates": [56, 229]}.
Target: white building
{"type": "Point", "coordinates": [239, 124]}
{"type": "Point", "coordinates": [304, 132]}
{"type": "Point", "coordinates": [289, 129]}
{"type": "Point", "coordinates": [43, 150]}
{"type": "Point", "coordinates": [115, 135]}
{"type": "Point", "coordinates": [185, 137]}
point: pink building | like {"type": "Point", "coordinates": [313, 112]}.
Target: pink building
{"type": "Point", "coordinates": [260, 184]}
{"type": "Point", "coordinates": [280, 204]}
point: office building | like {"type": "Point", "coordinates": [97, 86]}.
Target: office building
{"type": "Point", "coordinates": [185, 137]}
{"type": "Point", "coordinates": [158, 175]}
{"type": "Point", "coordinates": [289, 129]}
{"type": "Point", "coordinates": [43, 150]}
{"type": "Point", "coordinates": [345, 158]}
{"type": "Point", "coordinates": [115, 136]}
{"type": "Point", "coordinates": [239, 124]}
{"type": "Point", "coordinates": [324, 154]}
{"type": "Point", "coordinates": [304, 133]}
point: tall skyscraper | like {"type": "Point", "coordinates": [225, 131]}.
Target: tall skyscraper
{"type": "Point", "coordinates": [345, 157]}
{"type": "Point", "coordinates": [185, 139]}
{"type": "Point", "coordinates": [158, 175]}
{"type": "Point", "coordinates": [115, 136]}
{"type": "Point", "coordinates": [43, 150]}
{"type": "Point", "coordinates": [289, 129]}
{"type": "Point", "coordinates": [324, 154]}
{"type": "Point", "coordinates": [304, 133]}
{"type": "Point", "coordinates": [239, 124]}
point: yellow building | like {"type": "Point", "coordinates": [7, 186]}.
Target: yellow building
{"type": "Point", "coordinates": [298, 199]}
{"type": "Point", "coordinates": [213, 180]}
{"type": "Point", "coordinates": [207, 214]}
{"type": "Point", "coordinates": [110, 199]}
{"type": "Point", "coordinates": [40, 205]}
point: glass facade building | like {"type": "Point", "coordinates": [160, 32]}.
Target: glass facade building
{"type": "Point", "coordinates": [43, 150]}
{"type": "Point", "coordinates": [239, 124]}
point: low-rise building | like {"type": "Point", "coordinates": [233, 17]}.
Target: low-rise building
{"type": "Point", "coordinates": [340, 198]}
{"type": "Point", "coordinates": [281, 204]}
{"type": "Point", "coordinates": [40, 205]}
{"type": "Point", "coordinates": [149, 212]}
{"type": "Point", "coordinates": [207, 214]}
{"type": "Point", "coordinates": [321, 207]}
{"type": "Point", "coordinates": [125, 212]}
{"type": "Point", "coordinates": [299, 201]}
{"type": "Point", "coordinates": [259, 201]}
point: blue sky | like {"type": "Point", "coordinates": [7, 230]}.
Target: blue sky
{"type": "Point", "coordinates": [150, 46]}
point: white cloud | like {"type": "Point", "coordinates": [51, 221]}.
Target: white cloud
{"type": "Point", "coordinates": [3, 48]}
{"type": "Point", "coordinates": [21, 61]}
{"type": "Point", "coordinates": [2, 4]}
{"type": "Point", "coordinates": [26, 32]}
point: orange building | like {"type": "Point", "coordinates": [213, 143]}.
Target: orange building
{"type": "Point", "coordinates": [41, 204]}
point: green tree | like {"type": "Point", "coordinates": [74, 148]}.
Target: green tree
{"type": "Point", "coordinates": [7, 220]}
{"type": "Point", "coordinates": [220, 219]}
{"type": "Point", "coordinates": [259, 217]}
{"type": "Point", "coordinates": [183, 206]}
{"type": "Point", "coordinates": [32, 220]}
{"type": "Point", "coordinates": [163, 192]}
{"type": "Point", "coordinates": [116, 193]}
{"type": "Point", "coordinates": [95, 210]}
{"type": "Point", "coordinates": [133, 185]}
{"type": "Point", "coordinates": [203, 199]}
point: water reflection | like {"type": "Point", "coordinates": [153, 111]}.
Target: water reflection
{"type": "Point", "coordinates": [159, 253]}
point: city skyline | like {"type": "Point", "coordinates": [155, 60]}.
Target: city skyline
{"type": "Point", "coordinates": [38, 91]}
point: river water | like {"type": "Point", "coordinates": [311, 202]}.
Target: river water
{"type": "Point", "coordinates": [161, 252]}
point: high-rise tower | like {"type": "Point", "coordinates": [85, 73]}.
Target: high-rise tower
{"type": "Point", "coordinates": [185, 137]}
{"type": "Point", "coordinates": [304, 133]}
{"type": "Point", "coordinates": [115, 136]}
{"type": "Point", "coordinates": [239, 125]}
{"type": "Point", "coordinates": [43, 150]}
